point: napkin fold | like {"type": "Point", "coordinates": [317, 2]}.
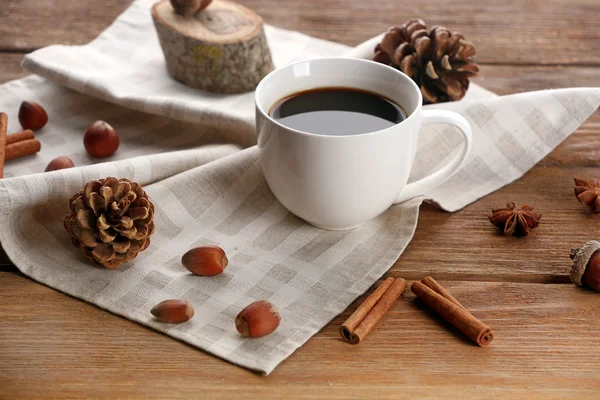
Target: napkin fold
{"type": "Point", "coordinates": [194, 153]}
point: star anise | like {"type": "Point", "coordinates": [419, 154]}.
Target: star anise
{"type": "Point", "coordinates": [515, 220]}
{"type": "Point", "coordinates": [588, 193]}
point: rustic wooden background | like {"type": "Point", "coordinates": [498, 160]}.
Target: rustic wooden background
{"type": "Point", "coordinates": [547, 330]}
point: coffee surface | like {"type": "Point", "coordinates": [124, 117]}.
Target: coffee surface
{"type": "Point", "coordinates": [337, 111]}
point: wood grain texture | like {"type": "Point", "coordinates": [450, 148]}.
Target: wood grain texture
{"type": "Point", "coordinates": [545, 347]}
{"type": "Point", "coordinates": [26, 25]}
{"type": "Point", "coordinates": [509, 79]}
{"type": "Point", "coordinates": [10, 67]}
{"type": "Point", "coordinates": [546, 329]}
{"type": "Point", "coordinates": [481, 252]}
{"type": "Point", "coordinates": [504, 32]}
{"type": "Point", "coordinates": [521, 31]}
{"type": "Point", "coordinates": [238, 46]}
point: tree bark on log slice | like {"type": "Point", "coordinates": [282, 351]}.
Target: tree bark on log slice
{"type": "Point", "coordinates": [221, 48]}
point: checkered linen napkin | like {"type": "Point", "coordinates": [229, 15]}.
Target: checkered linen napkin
{"type": "Point", "coordinates": [194, 153]}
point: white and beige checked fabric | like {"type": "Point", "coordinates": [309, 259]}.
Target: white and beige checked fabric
{"type": "Point", "coordinates": [194, 154]}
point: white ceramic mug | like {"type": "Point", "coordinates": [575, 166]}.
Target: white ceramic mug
{"type": "Point", "coordinates": [341, 182]}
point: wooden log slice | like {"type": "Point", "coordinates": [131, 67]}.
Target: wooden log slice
{"type": "Point", "coordinates": [221, 48]}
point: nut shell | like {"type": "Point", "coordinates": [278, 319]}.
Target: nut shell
{"type": "Point", "coordinates": [189, 7]}
{"type": "Point", "coordinates": [591, 276]}
{"type": "Point", "coordinates": [258, 319]}
{"type": "Point", "coordinates": [62, 162]}
{"type": "Point", "coordinates": [173, 311]}
{"type": "Point", "coordinates": [205, 260]}
{"type": "Point", "coordinates": [580, 261]}
{"type": "Point", "coordinates": [101, 140]}
{"type": "Point", "coordinates": [32, 116]}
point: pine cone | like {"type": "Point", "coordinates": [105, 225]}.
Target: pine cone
{"type": "Point", "coordinates": [111, 221]}
{"type": "Point", "coordinates": [440, 62]}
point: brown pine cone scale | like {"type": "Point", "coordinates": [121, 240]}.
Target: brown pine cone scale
{"type": "Point", "coordinates": [439, 61]}
{"type": "Point", "coordinates": [111, 221]}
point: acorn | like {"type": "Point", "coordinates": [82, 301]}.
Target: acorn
{"type": "Point", "coordinates": [586, 266]}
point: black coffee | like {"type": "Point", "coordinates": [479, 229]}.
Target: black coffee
{"type": "Point", "coordinates": [337, 111]}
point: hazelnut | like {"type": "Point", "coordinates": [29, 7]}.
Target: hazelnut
{"type": "Point", "coordinates": [258, 319]}
{"type": "Point", "coordinates": [189, 7]}
{"type": "Point", "coordinates": [32, 116]}
{"type": "Point", "coordinates": [591, 277]}
{"type": "Point", "coordinates": [173, 311]}
{"type": "Point", "coordinates": [586, 265]}
{"type": "Point", "coordinates": [62, 162]}
{"type": "Point", "coordinates": [101, 140]}
{"type": "Point", "coordinates": [205, 260]}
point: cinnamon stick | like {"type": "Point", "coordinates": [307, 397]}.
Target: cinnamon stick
{"type": "Point", "coordinates": [366, 316]}
{"type": "Point", "coordinates": [19, 136]}
{"type": "Point", "coordinates": [22, 148]}
{"type": "Point", "coordinates": [3, 128]}
{"type": "Point", "coordinates": [439, 289]}
{"type": "Point", "coordinates": [454, 314]}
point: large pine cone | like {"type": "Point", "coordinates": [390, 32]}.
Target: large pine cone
{"type": "Point", "coordinates": [111, 221]}
{"type": "Point", "coordinates": [440, 62]}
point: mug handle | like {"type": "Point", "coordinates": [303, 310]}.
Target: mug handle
{"type": "Point", "coordinates": [438, 177]}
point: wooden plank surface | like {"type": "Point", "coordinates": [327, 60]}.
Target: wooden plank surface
{"type": "Point", "coordinates": [29, 24]}
{"type": "Point", "coordinates": [546, 329]}
{"type": "Point", "coordinates": [10, 67]}
{"type": "Point", "coordinates": [546, 347]}
{"type": "Point", "coordinates": [481, 252]}
{"type": "Point", "coordinates": [504, 32]}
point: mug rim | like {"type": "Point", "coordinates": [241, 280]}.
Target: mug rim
{"type": "Point", "coordinates": [263, 81]}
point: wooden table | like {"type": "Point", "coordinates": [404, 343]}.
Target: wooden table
{"type": "Point", "coordinates": [547, 330]}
